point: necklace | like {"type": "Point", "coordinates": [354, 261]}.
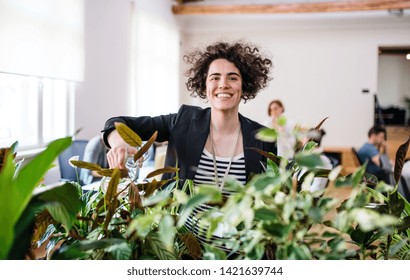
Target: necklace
{"type": "Point", "coordinates": [221, 186]}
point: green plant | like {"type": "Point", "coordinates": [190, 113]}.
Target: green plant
{"type": "Point", "coordinates": [138, 225]}
{"type": "Point", "coordinates": [273, 216]}
{"type": "Point", "coordinates": [276, 216]}
{"type": "Point", "coordinates": [22, 199]}
{"type": "Point", "coordinates": [397, 242]}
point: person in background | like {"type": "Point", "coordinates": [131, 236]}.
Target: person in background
{"type": "Point", "coordinates": [374, 152]}
{"type": "Point", "coordinates": [95, 152]}
{"type": "Point", "coordinates": [286, 129]}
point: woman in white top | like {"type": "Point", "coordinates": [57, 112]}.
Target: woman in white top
{"type": "Point", "coordinates": [286, 129]}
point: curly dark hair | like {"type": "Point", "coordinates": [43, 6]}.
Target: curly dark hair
{"type": "Point", "coordinates": [253, 67]}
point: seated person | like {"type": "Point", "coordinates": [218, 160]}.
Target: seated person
{"type": "Point", "coordinates": [95, 152]}
{"type": "Point", "coordinates": [370, 153]}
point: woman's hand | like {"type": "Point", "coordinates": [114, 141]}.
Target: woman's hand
{"type": "Point", "coordinates": [117, 154]}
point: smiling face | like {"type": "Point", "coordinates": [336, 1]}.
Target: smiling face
{"type": "Point", "coordinates": [224, 85]}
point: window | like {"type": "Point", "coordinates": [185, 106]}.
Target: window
{"type": "Point", "coordinates": [156, 51]}
{"type": "Point", "coordinates": [39, 39]}
{"type": "Point", "coordinates": [34, 110]}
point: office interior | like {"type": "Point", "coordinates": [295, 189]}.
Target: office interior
{"type": "Point", "coordinates": [126, 58]}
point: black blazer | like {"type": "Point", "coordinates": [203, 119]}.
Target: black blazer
{"type": "Point", "coordinates": [186, 133]}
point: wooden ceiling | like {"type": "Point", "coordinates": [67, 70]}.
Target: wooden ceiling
{"type": "Point", "coordinates": [202, 7]}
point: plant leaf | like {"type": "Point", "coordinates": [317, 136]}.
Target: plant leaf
{"type": "Point", "coordinates": [195, 201]}
{"type": "Point", "coordinates": [396, 203]}
{"type": "Point", "coordinates": [399, 162]}
{"type": "Point", "coordinates": [167, 169]}
{"type": "Point", "coordinates": [7, 218]}
{"type": "Point", "coordinates": [320, 124]}
{"type": "Point", "coordinates": [404, 224]}
{"type": "Point", "coordinates": [265, 214]}
{"type": "Point", "coordinates": [134, 197]}
{"type": "Point", "coordinates": [112, 186]}
{"type": "Point", "coordinates": [142, 225]}
{"type": "Point", "coordinates": [69, 253]}
{"type": "Point", "coordinates": [16, 189]}
{"type": "Point", "coordinates": [267, 135]}
{"type": "Point", "coordinates": [121, 251]}
{"type": "Point", "coordinates": [63, 201]}
{"type": "Point", "coordinates": [86, 165]}
{"type": "Point", "coordinates": [78, 250]}
{"type": "Point", "coordinates": [31, 174]}
{"type": "Point", "coordinates": [109, 172]}
{"type": "Point", "coordinates": [161, 197]}
{"type": "Point", "coordinates": [155, 244]}
{"type": "Point", "coordinates": [146, 147]}
{"type": "Point", "coordinates": [128, 135]}
{"type": "Point", "coordinates": [268, 155]}
{"type": "Point", "coordinates": [192, 244]}
{"type": "Point", "coordinates": [213, 253]}
{"type": "Point", "coordinates": [166, 232]}
{"type": "Point", "coordinates": [360, 237]}
{"type": "Point", "coordinates": [112, 207]}
{"type": "Point", "coordinates": [310, 160]}
{"type": "Point", "coordinates": [152, 186]}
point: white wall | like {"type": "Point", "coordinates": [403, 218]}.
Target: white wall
{"type": "Point", "coordinates": [156, 59]}
{"type": "Point", "coordinates": [131, 62]}
{"type": "Point", "coordinates": [321, 64]}
{"type": "Point", "coordinates": [105, 90]}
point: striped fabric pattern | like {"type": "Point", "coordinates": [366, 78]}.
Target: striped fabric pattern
{"type": "Point", "coordinates": [205, 172]}
{"type": "Point", "coordinates": [205, 175]}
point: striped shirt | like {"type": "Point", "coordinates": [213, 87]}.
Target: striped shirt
{"type": "Point", "coordinates": [205, 175]}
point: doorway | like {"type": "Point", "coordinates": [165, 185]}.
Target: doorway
{"type": "Point", "coordinates": [394, 84]}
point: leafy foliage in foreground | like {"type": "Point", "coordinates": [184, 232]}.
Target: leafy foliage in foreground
{"type": "Point", "coordinates": [276, 215]}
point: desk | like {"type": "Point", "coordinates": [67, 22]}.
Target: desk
{"type": "Point", "coordinates": [345, 157]}
{"type": "Point", "coordinates": [396, 136]}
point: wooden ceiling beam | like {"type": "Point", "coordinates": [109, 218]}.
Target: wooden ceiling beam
{"type": "Point", "coordinates": [347, 6]}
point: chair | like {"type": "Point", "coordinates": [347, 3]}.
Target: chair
{"type": "Point", "coordinates": [356, 158]}
{"type": "Point", "coordinates": [334, 161]}
{"type": "Point", "coordinates": [67, 172]}
{"type": "Point", "coordinates": [403, 188]}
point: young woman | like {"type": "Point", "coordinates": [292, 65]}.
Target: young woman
{"type": "Point", "coordinates": [286, 129]}
{"type": "Point", "coordinates": [208, 145]}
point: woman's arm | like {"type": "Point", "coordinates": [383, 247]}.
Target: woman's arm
{"type": "Point", "coordinates": [143, 126]}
